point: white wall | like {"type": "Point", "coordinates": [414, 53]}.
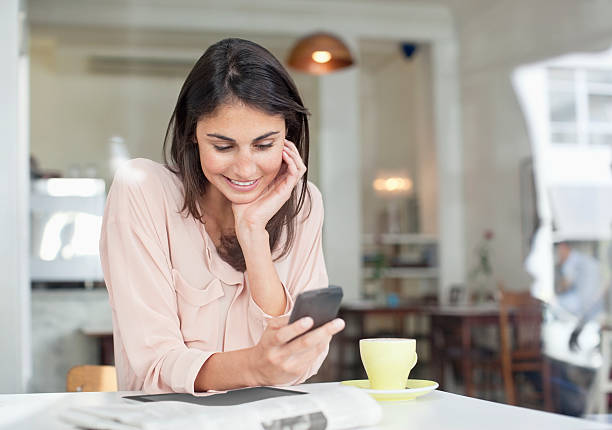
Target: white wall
{"type": "Point", "coordinates": [496, 37]}
{"type": "Point", "coordinates": [14, 191]}
{"type": "Point", "coordinates": [427, 185]}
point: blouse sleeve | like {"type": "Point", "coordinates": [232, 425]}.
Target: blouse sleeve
{"type": "Point", "coordinates": [138, 275]}
{"type": "Point", "coordinates": [307, 270]}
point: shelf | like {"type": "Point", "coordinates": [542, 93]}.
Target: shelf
{"type": "Point", "coordinates": [404, 272]}
{"type": "Point", "coordinates": [400, 239]}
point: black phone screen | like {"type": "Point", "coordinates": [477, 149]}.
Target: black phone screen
{"type": "Point", "coordinates": [321, 305]}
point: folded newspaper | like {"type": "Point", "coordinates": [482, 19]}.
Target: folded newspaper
{"type": "Point", "coordinates": [331, 407]}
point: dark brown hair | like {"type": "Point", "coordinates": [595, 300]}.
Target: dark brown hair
{"type": "Point", "coordinates": [236, 70]}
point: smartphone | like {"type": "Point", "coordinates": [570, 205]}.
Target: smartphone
{"type": "Point", "coordinates": [321, 305]}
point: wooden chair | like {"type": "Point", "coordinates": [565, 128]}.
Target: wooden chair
{"type": "Point", "coordinates": [91, 378]}
{"type": "Point", "coordinates": [520, 321]}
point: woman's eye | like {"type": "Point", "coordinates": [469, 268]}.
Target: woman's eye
{"type": "Point", "coordinates": [222, 148]}
{"type": "Point", "coordinates": [264, 147]}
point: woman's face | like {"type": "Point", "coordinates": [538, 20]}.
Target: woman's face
{"type": "Point", "coordinates": [240, 150]}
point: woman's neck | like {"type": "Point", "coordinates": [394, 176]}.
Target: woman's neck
{"type": "Point", "coordinates": [218, 208]}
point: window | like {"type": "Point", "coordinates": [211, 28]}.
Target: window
{"type": "Point", "coordinates": [580, 101]}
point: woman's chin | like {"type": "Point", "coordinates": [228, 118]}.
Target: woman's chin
{"type": "Point", "coordinates": [238, 198]}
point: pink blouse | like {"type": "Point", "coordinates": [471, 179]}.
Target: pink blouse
{"type": "Point", "coordinates": [175, 302]}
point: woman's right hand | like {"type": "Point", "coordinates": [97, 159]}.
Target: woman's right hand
{"type": "Point", "coordinates": [279, 358]}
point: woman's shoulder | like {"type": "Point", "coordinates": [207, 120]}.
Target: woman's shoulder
{"type": "Point", "coordinates": [309, 222]}
{"type": "Point", "coordinates": [145, 174]}
{"type": "Point", "coordinates": [314, 198]}
{"type": "Point", "coordinates": [147, 182]}
{"type": "Point", "coordinates": [314, 191]}
{"type": "Point", "coordinates": [312, 208]}
{"type": "Point", "coordinates": [142, 171]}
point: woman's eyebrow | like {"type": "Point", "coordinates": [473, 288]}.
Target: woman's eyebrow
{"type": "Point", "coordinates": [229, 139]}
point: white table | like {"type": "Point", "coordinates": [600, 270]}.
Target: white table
{"type": "Point", "coordinates": [438, 410]}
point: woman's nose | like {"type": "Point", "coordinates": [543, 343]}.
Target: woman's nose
{"type": "Point", "coordinates": [245, 166]}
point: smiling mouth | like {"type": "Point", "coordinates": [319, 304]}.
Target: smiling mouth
{"type": "Point", "coordinates": [242, 183]}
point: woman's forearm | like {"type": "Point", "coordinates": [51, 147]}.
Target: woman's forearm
{"type": "Point", "coordinates": [227, 371]}
{"type": "Point", "coordinates": [264, 283]}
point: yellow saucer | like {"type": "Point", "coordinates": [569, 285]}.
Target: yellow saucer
{"type": "Point", "coordinates": [414, 389]}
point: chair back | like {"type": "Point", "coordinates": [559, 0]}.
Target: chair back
{"type": "Point", "coordinates": [91, 378]}
{"type": "Point", "coordinates": [520, 322]}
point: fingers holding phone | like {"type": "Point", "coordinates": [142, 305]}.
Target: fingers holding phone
{"type": "Point", "coordinates": [289, 331]}
{"type": "Point", "coordinates": [285, 353]}
{"type": "Point", "coordinates": [270, 361]}
{"type": "Point", "coordinates": [315, 341]}
{"type": "Point", "coordinates": [289, 346]}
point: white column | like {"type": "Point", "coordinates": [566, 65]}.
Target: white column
{"type": "Point", "coordinates": [340, 178]}
{"type": "Point", "coordinates": [450, 165]}
{"type": "Point", "coordinates": [15, 318]}
{"type": "Point", "coordinates": [427, 163]}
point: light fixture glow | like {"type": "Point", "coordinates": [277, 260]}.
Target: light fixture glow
{"type": "Point", "coordinates": [321, 57]}
{"type": "Point", "coordinates": [319, 53]}
{"type": "Point", "coordinates": [393, 185]}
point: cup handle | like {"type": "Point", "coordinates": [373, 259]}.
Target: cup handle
{"type": "Point", "coordinates": [414, 361]}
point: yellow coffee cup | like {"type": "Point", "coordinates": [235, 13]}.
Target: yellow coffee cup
{"type": "Point", "coordinates": [388, 361]}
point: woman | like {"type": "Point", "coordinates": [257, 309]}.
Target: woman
{"type": "Point", "coordinates": [203, 257]}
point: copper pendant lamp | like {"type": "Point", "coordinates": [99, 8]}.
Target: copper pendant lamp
{"type": "Point", "coordinates": [320, 53]}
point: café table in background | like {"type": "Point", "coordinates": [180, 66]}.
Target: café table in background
{"type": "Point", "coordinates": [460, 319]}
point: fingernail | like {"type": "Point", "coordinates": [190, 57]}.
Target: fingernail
{"type": "Point", "coordinates": [307, 322]}
{"type": "Point", "coordinates": [338, 323]}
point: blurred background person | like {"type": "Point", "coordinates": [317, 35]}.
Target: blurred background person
{"type": "Point", "coordinates": [579, 287]}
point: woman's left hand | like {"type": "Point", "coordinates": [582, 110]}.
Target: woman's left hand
{"type": "Point", "coordinates": [254, 216]}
